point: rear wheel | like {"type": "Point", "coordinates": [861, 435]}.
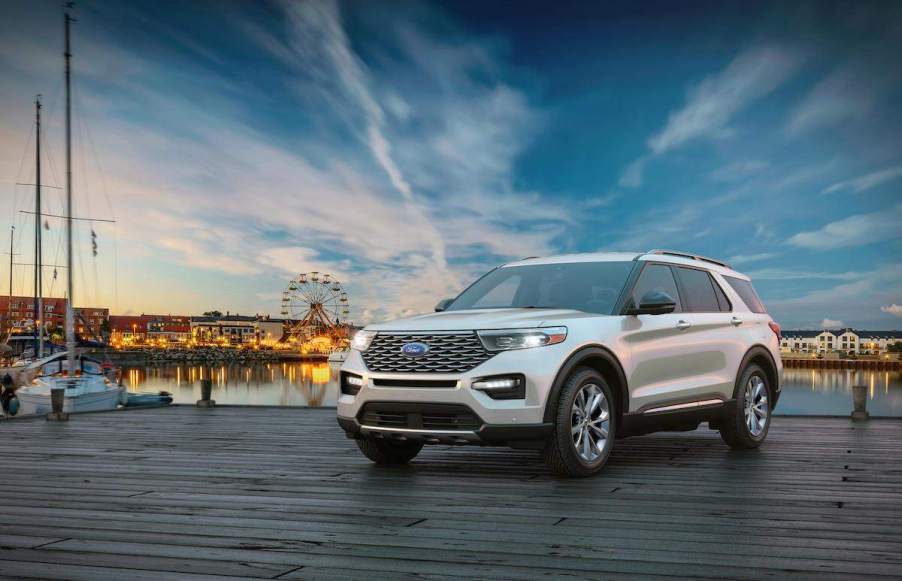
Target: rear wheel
{"type": "Point", "coordinates": [389, 451]}
{"type": "Point", "coordinates": [584, 426]}
{"type": "Point", "coordinates": [748, 426]}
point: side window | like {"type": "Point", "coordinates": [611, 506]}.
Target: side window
{"type": "Point", "coordinates": [656, 277]}
{"type": "Point", "coordinates": [725, 305]}
{"type": "Point", "coordinates": [699, 287]}
{"type": "Point", "coordinates": [747, 293]}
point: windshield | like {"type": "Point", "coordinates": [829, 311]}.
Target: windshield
{"type": "Point", "coordinates": [592, 287]}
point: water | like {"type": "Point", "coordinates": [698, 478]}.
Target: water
{"type": "Point", "coordinates": [283, 384]}
{"type": "Point", "coordinates": [805, 391]}
{"type": "Point", "coordinates": [829, 392]}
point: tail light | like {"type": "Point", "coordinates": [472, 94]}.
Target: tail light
{"type": "Point", "coordinates": [775, 327]}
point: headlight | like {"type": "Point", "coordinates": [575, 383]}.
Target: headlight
{"type": "Point", "coordinates": [505, 339]}
{"type": "Point", "coordinates": [362, 340]}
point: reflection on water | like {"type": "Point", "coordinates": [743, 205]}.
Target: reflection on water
{"type": "Point", "coordinates": [287, 383]}
{"type": "Point", "coordinates": [805, 391]}
{"type": "Point", "coordinates": [829, 391]}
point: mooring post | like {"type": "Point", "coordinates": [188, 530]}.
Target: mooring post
{"type": "Point", "coordinates": [57, 397]}
{"type": "Point", "coordinates": [859, 403]}
{"type": "Point", "coordinates": [206, 390]}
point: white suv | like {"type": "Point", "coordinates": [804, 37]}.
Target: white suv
{"type": "Point", "coordinates": [565, 354]}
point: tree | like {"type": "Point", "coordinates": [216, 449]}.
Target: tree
{"type": "Point", "coordinates": [216, 314]}
{"type": "Point", "coordinates": [894, 347]}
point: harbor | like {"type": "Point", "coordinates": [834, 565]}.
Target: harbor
{"type": "Point", "coordinates": [185, 492]}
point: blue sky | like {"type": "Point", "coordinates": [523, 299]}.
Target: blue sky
{"type": "Point", "coordinates": [407, 147]}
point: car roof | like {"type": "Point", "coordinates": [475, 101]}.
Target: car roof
{"type": "Point", "coordinates": [668, 256]}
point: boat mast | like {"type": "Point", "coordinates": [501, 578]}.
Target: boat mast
{"type": "Point", "coordinates": [38, 278]}
{"type": "Point", "coordinates": [70, 322]}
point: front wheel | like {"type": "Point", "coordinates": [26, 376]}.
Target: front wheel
{"type": "Point", "coordinates": [748, 425]}
{"type": "Point", "coordinates": [389, 451]}
{"type": "Point", "coordinates": [584, 426]}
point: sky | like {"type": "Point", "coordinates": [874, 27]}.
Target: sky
{"type": "Point", "coordinates": [408, 147]}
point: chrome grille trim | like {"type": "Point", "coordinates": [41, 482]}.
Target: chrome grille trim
{"type": "Point", "coordinates": [449, 352]}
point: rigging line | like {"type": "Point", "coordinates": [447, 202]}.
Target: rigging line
{"type": "Point", "coordinates": [73, 217]}
{"type": "Point", "coordinates": [20, 170]}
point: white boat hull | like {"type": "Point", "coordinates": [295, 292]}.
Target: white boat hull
{"type": "Point", "coordinates": [107, 399]}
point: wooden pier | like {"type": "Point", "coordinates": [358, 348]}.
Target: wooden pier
{"type": "Point", "coordinates": [280, 493]}
{"type": "Point", "coordinates": [867, 364]}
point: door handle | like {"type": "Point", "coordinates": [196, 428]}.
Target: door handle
{"type": "Point", "coordinates": [735, 321]}
{"type": "Point", "coordinates": [683, 325]}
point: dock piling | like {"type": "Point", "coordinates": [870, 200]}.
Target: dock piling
{"type": "Point", "coordinates": [859, 403]}
{"type": "Point", "coordinates": [206, 391]}
{"type": "Point", "coordinates": [57, 397]}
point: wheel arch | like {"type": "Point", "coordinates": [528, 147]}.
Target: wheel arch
{"type": "Point", "coordinates": [601, 360]}
{"type": "Point", "coordinates": [761, 356]}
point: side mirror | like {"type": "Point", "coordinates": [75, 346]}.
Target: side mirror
{"type": "Point", "coordinates": [654, 303]}
{"type": "Point", "coordinates": [443, 304]}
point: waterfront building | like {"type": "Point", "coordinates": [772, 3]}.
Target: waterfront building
{"type": "Point", "coordinates": [237, 329]}
{"type": "Point", "coordinates": [849, 341]}
{"type": "Point", "coordinates": [19, 314]}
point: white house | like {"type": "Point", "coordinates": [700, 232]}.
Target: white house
{"type": "Point", "coordinates": [844, 340]}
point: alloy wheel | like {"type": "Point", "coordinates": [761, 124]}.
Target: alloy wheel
{"type": "Point", "coordinates": [756, 406]}
{"type": "Point", "coordinates": [590, 422]}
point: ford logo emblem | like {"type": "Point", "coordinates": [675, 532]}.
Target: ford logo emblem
{"type": "Point", "coordinates": [414, 349]}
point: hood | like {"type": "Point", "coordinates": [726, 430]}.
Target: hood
{"type": "Point", "coordinates": [483, 319]}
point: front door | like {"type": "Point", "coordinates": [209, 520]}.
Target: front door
{"type": "Point", "coordinates": [665, 366]}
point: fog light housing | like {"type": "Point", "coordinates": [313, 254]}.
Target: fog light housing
{"type": "Point", "coordinates": [350, 383]}
{"type": "Point", "coordinates": [502, 386]}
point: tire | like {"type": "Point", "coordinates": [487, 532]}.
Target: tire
{"type": "Point", "coordinates": [753, 397]}
{"type": "Point", "coordinates": [388, 451]}
{"type": "Point", "coordinates": [561, 453]}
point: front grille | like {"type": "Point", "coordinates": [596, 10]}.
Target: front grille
{"type": "Point", "coordinates": [448, 353]}
{"type": "Point", "coordinates": [419, 416]}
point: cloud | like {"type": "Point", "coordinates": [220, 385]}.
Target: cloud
{"type": "Point", "coordinates": [738, 170]}
{"type": "Point", "coordinates": [867, 181]}
{"type": "Point", "coordinates": [632, 175]}
{"type": "Point", "coordinates": [403, 192]}
{"type": "Point", "coordinates": [892, 309]}
{"type": "Point", "coordinates": [856, 230]}
{"type": "Point", "coordinates": [746, 258]}
{"type": "Point", "coordinates": [712, 103]}
{"type": "Point", "coordinates": [846, 301]}
{"type": "Point", "coordinates": [318, 33]}
{"type": "Point", "coordinates": [802, 274]}
{"type": "Point", "coordinates": [832, 324]}
{"type": "Point", "coordinates": [851, 92]}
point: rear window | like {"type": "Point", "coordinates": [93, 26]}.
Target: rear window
{"type": "Point", "coordinates": [747, 293]}
{"type": "Point", "coordinates": [700, 295]}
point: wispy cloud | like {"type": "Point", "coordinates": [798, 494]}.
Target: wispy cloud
{"type": "Point", "coordinates": [855, 230]}
{"type": "Point", "coordinates": [738, 170]}
{"type": "Point", "coordinates": [712, 103]}
{"type": "Point", "coordinates": [746, 258]}
{"type": "Point", "coordinates": [867, 181]}
{"type": "Point", "coordinates": [802, 274]}
{"type": "Point", "coordinates": [832, 324]}
{"type": "Point", "coordinates": [851, 92]}
{"type": "Point", "coordinates": [892, 309]}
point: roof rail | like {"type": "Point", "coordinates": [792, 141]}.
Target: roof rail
{"type": "Point", "coordinates": [689, 255]}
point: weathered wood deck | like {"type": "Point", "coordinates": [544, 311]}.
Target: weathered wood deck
{"type": "Point", "coordinates": [280, 493]}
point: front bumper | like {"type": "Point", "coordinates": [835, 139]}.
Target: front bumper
{"type": "Point", "coordinates": [515, 422]}
{"type": "Point", "coordinates": [517, 436]}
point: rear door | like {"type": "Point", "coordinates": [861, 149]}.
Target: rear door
{"type": "Point", "coordinates": [713, 339]}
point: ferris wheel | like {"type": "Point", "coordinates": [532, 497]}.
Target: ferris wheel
{"type": "Point", "coordinates": [317, 304]}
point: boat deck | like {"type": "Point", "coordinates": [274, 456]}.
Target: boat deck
{"type": "Point", "coordinates": [280, 493]}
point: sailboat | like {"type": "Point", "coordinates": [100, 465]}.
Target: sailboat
{"type": "Point", "coordinates": [85, 385]}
